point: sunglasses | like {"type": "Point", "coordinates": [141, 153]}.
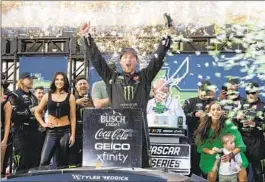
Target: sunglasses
{"type": "Point", "coordinates": [252, 93]}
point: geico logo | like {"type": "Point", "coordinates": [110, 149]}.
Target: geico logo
{"type": "Point", "coordinates": [112, 146]}
{"type": "Point", "coordinates": [165, 150]}
{"type": "Point", "coordinates": [112, 119]}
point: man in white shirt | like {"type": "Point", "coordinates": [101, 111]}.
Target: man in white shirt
{"type": "Point", "coordinates": [163, 110]}
{"type": "Point", "coordinates": [99, 91]}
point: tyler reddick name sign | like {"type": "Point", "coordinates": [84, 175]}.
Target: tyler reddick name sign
{"type": "Point", "coordinates": [112, 137]}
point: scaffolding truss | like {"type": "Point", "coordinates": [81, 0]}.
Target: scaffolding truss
{"type": "Point", "coordinates": [13, 48]}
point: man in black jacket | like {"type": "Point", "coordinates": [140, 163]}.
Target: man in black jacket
{"type": "Point", "coordinates": [194, 108]}
{"type": "Point", "coordinates": [230, 91]}
{"type": "Point", "coordinates": [230, 99]}
{"type": "Point", "coordinates": [129, 89]}
{"type": "Point", "coordinates": [27, 137]}
{"type": "Point", "coordinates": [83, 100]}
{"type": "Point", "coordinates": [251, 127]}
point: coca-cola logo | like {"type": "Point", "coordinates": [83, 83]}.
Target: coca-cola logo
{"type": "Point", "coordinates": [118, 134]}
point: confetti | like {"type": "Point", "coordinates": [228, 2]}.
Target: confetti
{"type": "Point", "coordinates": [200, 76]}
{"type": "Point", "coordinates": [170, 53]}
{"type": "Point", "coordinates": [197, 53]}
{"type": "Point", "coordinates": [218, 75]}
{"type": "Point", "coordinates": [107, 20]}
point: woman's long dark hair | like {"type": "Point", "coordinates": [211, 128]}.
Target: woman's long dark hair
{"type": "Point", "coordinates": [205, 125]}
{"type": "Point", "coordinates": [66, 86]}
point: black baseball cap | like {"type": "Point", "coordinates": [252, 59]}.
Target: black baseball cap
{"type": "Point", "coordinates": [252, 87]}
{"type": "Point", "coordinates": [130, 50]}
{"type": "Point", "coordinates": [27, 75]}
{"type": "Point", "coordinates": [80, 77]}
{"type": "Point", "coordinates": [233, 80]}
{"type": "Point", "coordinates": [205, 85]}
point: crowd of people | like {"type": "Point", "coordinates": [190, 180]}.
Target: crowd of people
{"type": "Point", "coordinates": [226, 133]}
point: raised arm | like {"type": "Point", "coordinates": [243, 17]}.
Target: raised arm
{"type": "Point", "coordinates": [157, 60]}
{"type": "Point", "coordinates": [94, 55]}
{"type": "Point", "coordinates": [8, 112]}
{"type": "Point", "coordinates": [72, 119]}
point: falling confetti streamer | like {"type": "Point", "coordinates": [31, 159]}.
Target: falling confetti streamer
{"type": "Point", "coordinates": [218, 75]}
{"type": "Point", "coordinates": [200, 76]}
{"type": "Point", "coordinates": [197, 53]}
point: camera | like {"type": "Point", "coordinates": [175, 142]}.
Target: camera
{"type": "Point", "coordinates": [86, 97]}
{"type": "Point", "coordinates": [224, 89]}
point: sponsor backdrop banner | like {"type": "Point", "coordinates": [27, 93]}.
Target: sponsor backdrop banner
{"type": "Point", "coordinates": [191, 69]}
{"type": "Point", "coordinates": [43, 68]}
{"type": "Point", "coordinates": [112, 137]}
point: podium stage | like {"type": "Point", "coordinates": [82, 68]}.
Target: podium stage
{"type": "Point", "coordinates": [112, 152]}
{"type": "Point", "coordinates": [109, 174]}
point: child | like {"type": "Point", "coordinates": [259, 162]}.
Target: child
{"type": "Point", "coordinates": [227, 170]}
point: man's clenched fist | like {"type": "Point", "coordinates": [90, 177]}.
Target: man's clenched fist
{"type": "Point", "coordinates": [84, 29]}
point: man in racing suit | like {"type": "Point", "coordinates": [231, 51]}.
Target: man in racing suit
{"type": "Point", "coordinates": [27, 138]}
{"type": "Point", "coordinates": [251, 127]}
{"type": "Point", "coordinates": [194, 109]}
{"type": "Point", "coordinates": [129, 89]}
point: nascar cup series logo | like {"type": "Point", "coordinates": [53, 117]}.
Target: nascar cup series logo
{"type": "Point", "coordinates": [115, 119]}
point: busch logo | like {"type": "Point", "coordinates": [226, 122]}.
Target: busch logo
{"type": "Point", "coordinates": [114, 120]}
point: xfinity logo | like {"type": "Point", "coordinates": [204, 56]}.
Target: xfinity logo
{"type": "Point", "coordinates": [110, 156]}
